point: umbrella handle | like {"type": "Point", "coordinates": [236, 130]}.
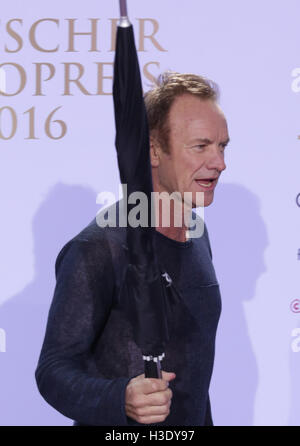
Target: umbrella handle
{"type": "Point", "coordinates": [152, 369]}
{"type": "Point", "coordinates": [152, 366]}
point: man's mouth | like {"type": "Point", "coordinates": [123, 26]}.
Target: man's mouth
{"type": "Point", "coordinates": [207, 182]}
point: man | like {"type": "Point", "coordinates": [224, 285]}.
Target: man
{"type": "Point", "coordinates": [90, 368]}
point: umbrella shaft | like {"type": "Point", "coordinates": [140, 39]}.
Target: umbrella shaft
{"type": "Point", "coordinates": [123, 8]}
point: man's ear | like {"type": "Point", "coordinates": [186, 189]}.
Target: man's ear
{"type": "Point", "coordinates": [154, 152]}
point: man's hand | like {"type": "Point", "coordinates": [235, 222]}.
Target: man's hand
{"type": "Point", "coordinates": [148, 400]}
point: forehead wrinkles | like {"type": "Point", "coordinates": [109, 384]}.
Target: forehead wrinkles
{"type": "Point", "coordinates": [186, 122]}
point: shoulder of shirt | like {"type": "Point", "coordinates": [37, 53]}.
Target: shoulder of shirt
{"type": "Point", "coordinates": [93, 238]}
{"type": "Point", "coordinates": [205, 235]}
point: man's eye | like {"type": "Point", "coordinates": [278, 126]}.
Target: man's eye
{"type": "Point", "coordinates": [200, 146]}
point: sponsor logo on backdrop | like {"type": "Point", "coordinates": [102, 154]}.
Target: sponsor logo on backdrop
{"type": "Point", "coordinates": [295, 86]}
{"type": "Point", "coordinates": [295, 306]}
{"type": "Point", "coordinates": [75, 78]}
{"type": "Point", "coordinates": [2, 340]}
{"type": "Point", "coordinates": [295, 344]}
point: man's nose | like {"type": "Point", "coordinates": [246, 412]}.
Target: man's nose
{"type": "Point", "coordinates": [216, 160]}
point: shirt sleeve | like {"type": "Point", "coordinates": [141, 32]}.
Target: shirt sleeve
{"type": "Point", "coordinates": [66, 374]}
{"type": "Point", "coordinates": [208, 417]}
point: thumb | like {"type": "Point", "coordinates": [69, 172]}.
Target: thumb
{"type": "Point", "coordinates": [168, 376]}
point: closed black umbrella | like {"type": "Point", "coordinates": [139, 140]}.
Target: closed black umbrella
{"type": "Point", "coordinates": [147, 290]}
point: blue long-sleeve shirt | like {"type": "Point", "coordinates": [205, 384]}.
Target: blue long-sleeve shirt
{"type": "Point", "coordinates": [89, 356]}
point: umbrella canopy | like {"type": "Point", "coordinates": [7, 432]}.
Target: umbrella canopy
{"type": "Point", "coordinates": [147, 290]}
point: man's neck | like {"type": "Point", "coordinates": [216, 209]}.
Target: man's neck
{"type": "Point", "coordinates": [171, 220]}
{"type": "Point", "coordinates": [178, 234]}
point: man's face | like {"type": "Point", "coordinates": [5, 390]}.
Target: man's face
{"type": "Point", "coordinates": [198, 136]}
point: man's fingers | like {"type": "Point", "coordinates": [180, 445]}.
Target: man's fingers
{"type": "Point", "coordinates": [148, 400]}
{"type": "Point", "coordinates": [151, 385]}
{"type": "Point", "coordinates": [168, 376]}
{"type": "Point", "coordinates": [153, 410]}
{"type": "Point", "coordinates": [158, 398]}
{"type": "Point", "coordinates": [140, 377]}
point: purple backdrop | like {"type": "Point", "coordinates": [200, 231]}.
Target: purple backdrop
{"type": "Point", "coordinates": [49, 186]}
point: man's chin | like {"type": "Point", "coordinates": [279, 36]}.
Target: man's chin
{"type": "Point", "coordinates": [203, 200]}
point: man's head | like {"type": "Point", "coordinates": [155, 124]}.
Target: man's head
{"type": "Point", "coordinates": [188, 134]}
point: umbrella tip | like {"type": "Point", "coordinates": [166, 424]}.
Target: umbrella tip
{"type": "Point", "coordinates": [124, 21]}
